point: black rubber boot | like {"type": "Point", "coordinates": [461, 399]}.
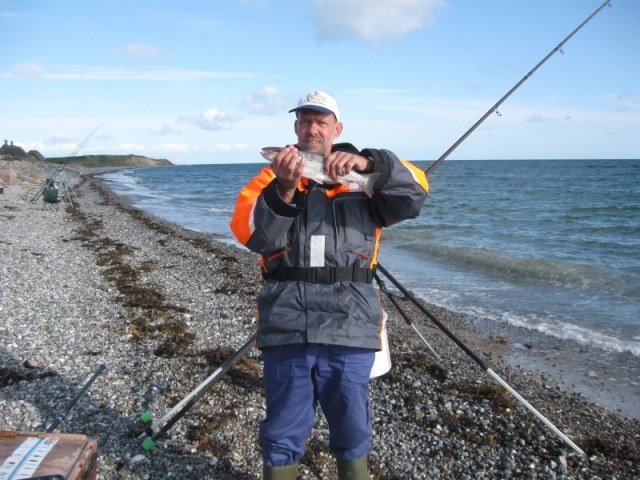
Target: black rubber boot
{"type": "Point", "coordinates": [356, 470]}
{"type": "Point", "coordinates": [288, 472]}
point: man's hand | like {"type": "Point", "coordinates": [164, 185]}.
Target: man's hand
{"type": "Point", "coordinates": [288, 167]}
{"type": "Point", "coordinates": [339, 164]}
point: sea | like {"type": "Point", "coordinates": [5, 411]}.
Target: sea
{"type": "Point", "coordinates": [545, 253]}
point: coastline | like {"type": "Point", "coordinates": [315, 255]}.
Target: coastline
{"type": "Point", "coordinates": [160, 306]}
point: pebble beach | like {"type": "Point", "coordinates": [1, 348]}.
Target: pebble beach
{"type": "Point", "coordinates": [97, 281]}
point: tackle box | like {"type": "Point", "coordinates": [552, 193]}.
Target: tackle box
{"type": "Point", "coordinates": [51, 456]}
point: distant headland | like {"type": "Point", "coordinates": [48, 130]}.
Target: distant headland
{"type": "Point", "coordinates": [93, 161]}
{"type": "Point", "coordinates": [9, 151]}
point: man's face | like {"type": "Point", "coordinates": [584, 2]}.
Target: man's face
{"type": "Point", "coordinates": [316, 131]}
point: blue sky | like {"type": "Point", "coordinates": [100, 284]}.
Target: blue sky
{"type": "Point", "coordinates": [212, 81]}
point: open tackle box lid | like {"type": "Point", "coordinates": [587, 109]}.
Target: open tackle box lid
{"type": "Point", "coordinates": [59, 456]}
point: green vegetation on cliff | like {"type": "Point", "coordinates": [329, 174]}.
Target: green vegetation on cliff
{"type": "Point", "coordinates": [94, 161]}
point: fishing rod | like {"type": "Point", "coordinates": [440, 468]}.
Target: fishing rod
{"type": "Point", "coordinates": [481, 363]}
{"type": "Point", "coordinates": [437, 322]}
{"type": "Point", "coordinates": [164, 423]}
{"type": "Point", "coordinates": [75, 399]}
{"type": "Point", "coordinates": [437, 163]}
{"type": "Point", "coordinates": [168, 419]}
{"type": "Point", "coordinates": [49, 182]}
{"type": "Point", "coordinates": [392, 298]}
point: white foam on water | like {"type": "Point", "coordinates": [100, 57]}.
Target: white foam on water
{"type": "Point", "coordinates": [576, 333]}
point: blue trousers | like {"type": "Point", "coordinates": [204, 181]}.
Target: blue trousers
{"type": "Point", "coordinates": [296, 378]}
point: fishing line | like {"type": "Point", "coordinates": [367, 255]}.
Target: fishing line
{"type": "Point", "coordinates": [59, 170]}
{"type": "Point", "coordinates": [494, 108]}
{"type": "Point", "coordinates": [164, 423]}
{"type": "Point", "coordinates": [428, 171]}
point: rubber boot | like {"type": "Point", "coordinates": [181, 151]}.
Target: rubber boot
{"type": "Point", "coordinates": [355, 470]}
{"type": "Point", "coordinates": [288, 472]}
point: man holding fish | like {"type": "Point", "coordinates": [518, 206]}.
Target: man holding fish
{"type": "Point", "coordinates": [315, 217]}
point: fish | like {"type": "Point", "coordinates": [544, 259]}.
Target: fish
{"type": "Point", "coordinates": [313, 170]}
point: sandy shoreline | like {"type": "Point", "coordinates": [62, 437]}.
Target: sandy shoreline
{"type": "Point", "coordinates": [160, 306]}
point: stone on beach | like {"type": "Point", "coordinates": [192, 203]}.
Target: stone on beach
{"type": "Point", "coordinates": [162, 307]}
{"type": "Point", "coordinates": [8, 177]}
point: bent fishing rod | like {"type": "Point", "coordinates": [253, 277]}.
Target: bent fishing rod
{"type": "Point", "coordinates": [408, 295]}
{"type": "Point", "coordinates": [494, 108]}
{"type": "Point", "coordinates": [49, 182]}
{"type": "Point", "coordinates": [166, 421]}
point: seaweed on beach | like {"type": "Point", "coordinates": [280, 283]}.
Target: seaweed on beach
{"type": "Point", "coordinates": [497, 395]}
{"type": "Point", "coordinates": [613, 448]}
{"type": "Point", "coordinates": [422, 363]}
{"type": "Point", "coordinates": [316, 457]}
{"type": "Point", "coordinates": [225, 290]}
{"type": "Point", "coordinates": [175, 345]}
{"type": "Point", "coordinates": [465, 427]}
{"type": "Point", "coordinates": [10, 375]}
{"type": "Point", "coordinates": [148, 324]}
{"type": "Point", "coordinates": [200, 434]}
{"type": "Point", "coordinates": [246, 373]}
{"type": "Point", "coordinates": [380, 474]}
{"type": "Point", "coordinates": [141, 297]}
{"type": "Point", "coordinates": [209, 248]}
{"type": "Point", "coordinates": [203, 442]}
{"type": "Point", "coordinates": [153, 320]}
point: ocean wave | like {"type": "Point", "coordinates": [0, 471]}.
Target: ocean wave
{"type": "Point", "coordinates": [119, 178]}
{"type": "Point", "coordinates": [525, 270]}
{"type": "Point", "coordinates": [569, 331]}
{"type": "Point", "coordinates": [609, 339]}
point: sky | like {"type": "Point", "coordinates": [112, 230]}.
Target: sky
{"type": "Point", "coordinates": [211, 81]}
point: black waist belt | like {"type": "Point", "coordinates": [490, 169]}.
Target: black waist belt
{"type": "Point", "coordinates": [321, 274]}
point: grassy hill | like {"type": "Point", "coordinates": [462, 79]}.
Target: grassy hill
{"type": "Point", "coordinates": [94, 161]}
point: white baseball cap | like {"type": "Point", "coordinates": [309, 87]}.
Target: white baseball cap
{"type": "Point", "coordinates": [320, 101]}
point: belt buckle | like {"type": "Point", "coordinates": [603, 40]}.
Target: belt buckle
{"type": "Point", "coordinates": [312, 275]}
{"type": "Point", "coordinates": [324, 275]}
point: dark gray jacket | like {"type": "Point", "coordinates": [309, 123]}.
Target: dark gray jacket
{"type": "Point", "coordinates": [327, 232]}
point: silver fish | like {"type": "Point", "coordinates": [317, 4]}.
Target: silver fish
{"type": "Point", "coordinates": [313, 163]}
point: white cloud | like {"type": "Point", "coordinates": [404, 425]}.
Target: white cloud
{"type": "Point", "coordinates": [379, 91]}
{"type": "Point", "coordinates": [170, 18]}
{"type": "Point", "coordinates": [57, 139]}
{"type": "Point", "coordinates": [537, 118]}
{"type": "Point", "coordinates": [266, 101]}
{"type": "Point", "coordinates": [625, 102]}
{"type": "Point", "coordinates": [20, 15]}
{"type": "Point", "coordinates": [32, 70]}
{"type": "Point", "coordinates": [28, 70]}
{"type": "Point", "coordinates": [212, 119]}
{"type": "Point", "coordinates": [630, 97]}
{"type": "Point", "coordinates": [140, 53]}
{"type": "Point", "coordinates": [179, 147]}
{"type": "Point", "coordinates": [50, 150]}
{"type": "Point", "coordinates": [230, 147]}
{"type": "Point", "coordinates": [165, 129]}
{"type": "Point", "coordinates": [374, 22]}
{"type": "Point", "coordinates": [130, 147]}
